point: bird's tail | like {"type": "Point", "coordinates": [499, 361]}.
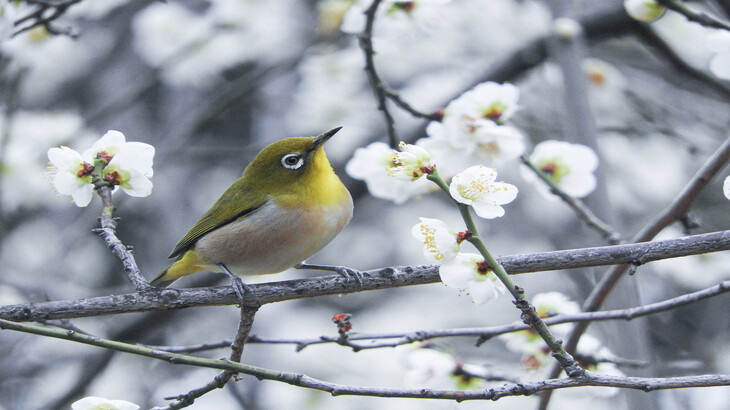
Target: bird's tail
{"type": "Point", "coordinates": [185, 264]}
{"type": "Point", "coordinates": [162, 280]}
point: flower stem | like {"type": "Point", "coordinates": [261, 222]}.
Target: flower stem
{"type": "Point", "coordinates": [529, 315]}
{"type": "Point", "coordinates": [108, 234]}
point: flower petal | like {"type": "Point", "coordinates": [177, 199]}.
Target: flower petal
{"type": "Point", "coordinates": [138, 184]}
{"type": "Point", "coordinates": [487, 210]}
{"type": "Point", "coordinates": [64, 157]}
{"type": "Point", "coordinates": [134, 155]}
{"type": "Point", "coordinates": [110, 142]}
{"type": "Point", "coordinates": [483, 291]}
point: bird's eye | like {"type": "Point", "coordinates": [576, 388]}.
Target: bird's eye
{"type": "Point", "coordinates": [292, 161]}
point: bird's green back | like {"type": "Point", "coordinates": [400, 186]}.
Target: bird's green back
{"type": "Point", "coordinates": [238, 201]}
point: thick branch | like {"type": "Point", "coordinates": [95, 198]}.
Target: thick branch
{"type": "Point", "coordinates": [383, 278]}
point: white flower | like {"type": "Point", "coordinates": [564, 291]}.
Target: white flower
{"type": "Point", "coordinates": [569, 166]}
{"type": "Point", "coordinates": [131, 169]}
{"type": "Point", "coordinates": [122, 163]}
{"type": "Point", "coordinates": [429, 368]}
{"type": "Point", "coordinates": [490, 101]}
{"type": "Point", "coordinates": [476, 187]}
{"type": "Point", "coordinates": [644, 10]}
{"type": "Point", "coordinates": [469, 273]}
{"type": "Point", "coordinates": [726, 187]}
{"type": "Point", "coordinates": [100, 403]}
{"type": "Point", "coordinates": [472, 130]}
{"type": "Point", "coordinates": [129, 163]}
{"type": "Point", "coordinates": [73, 175]}
{"type": "Point", "coordinates": [371, 165]}
{"type": "Point", "coordinates": [719, 43]}
{"type": "Point", "coordinates": [498, 143]}
{"type": "Point", "coordinates": [411, 163]}
{"type": "Point", "coordinates": [440, 242]}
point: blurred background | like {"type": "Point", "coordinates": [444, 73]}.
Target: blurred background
{"type": "Point", "coordinates": [209, 83]}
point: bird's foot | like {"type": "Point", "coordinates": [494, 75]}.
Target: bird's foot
{"type": "Point", "coordinates": [345, 272]}
{"type": "Point", "coordinates": [236, 283]}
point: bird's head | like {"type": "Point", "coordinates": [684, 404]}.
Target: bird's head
{"type": "Point", "coordinates": [291, 165]}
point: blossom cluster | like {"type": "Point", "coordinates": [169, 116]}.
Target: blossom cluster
{"type": "Point", "coordinates": [474, 131]}
{"type": "Point", "coordinates": [110, 161]}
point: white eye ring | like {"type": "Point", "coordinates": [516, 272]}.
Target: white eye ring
{"type": "Point", "coordinates": [292, 161]}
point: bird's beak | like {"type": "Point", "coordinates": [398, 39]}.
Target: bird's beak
{"type": "Point", "coordinates": [320, 139]}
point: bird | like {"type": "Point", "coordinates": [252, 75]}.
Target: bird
{"type": "Point", "coordinates": [287, 205]}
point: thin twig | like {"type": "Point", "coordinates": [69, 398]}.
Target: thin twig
{"type": "Point", "coordinates": [108, 233]}
{"type": "Point", "coordinates": [366, 44]}
{"type": "Point", "coordinates": [584, 213]}
{"type": "Point", "coordinates": [486, 333]}
{"type": "Point", "coordinates": [219, 381]}
{"type": "Point", "coordinates": [302, 380]}
{"type": "Point", "coordinates": [41, 17]}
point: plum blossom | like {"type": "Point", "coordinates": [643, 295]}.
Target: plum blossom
{"type": "Point", "coordinates": [371, 164]}
{"type": "Point", "coordinates": [569, 166]}
{"type": "Point", "coordinates": [111, 160]}
{"type": "Point", "coordinates": [440, 243]}
{"type": "Point", "coordinates": [476, 187]}
{"type": "Point", "coordinates": [411, 163]}
{"type": "Point", "coordinates": [489, 101]}
{"type": "Point", "coordinates": [73, 175]}
{"type": "Point", "coordinates": [469, 273]}
{"type": "Point", "coordinates": [473, 129]}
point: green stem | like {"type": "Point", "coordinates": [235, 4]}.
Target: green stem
{"type": "Point", "coordinates": [529, 315]}
{"type": "Point", "coordinates": [173, 358]}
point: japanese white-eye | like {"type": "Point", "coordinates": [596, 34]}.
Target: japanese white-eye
{"type": "Point", "coordinates": [288, 205]}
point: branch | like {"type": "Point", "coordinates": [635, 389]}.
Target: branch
{"type": "Point", "coordinates": [674, 212]}
{"type": "Point", "coordinates": [366, 44]}
{"type": "Point", "coordinates": [383, 278]}
{"type": "Point", "coordinates": [108, 234]}
{"type": "Point", "coordinates": [519, 389]}
{"type": "Point", "coordinates": [219, 381]}
{"type": "Point", "coordinates": [584, 213]}
{"type": "Point", "coordinates": [693, 15]}
{"type": "Point", "coordinates": [42, 17]}
{"type": "Point", "coordinates": [486, 333]}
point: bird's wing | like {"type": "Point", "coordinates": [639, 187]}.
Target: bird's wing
{"type": "Point", "coordinates": [235, 203]}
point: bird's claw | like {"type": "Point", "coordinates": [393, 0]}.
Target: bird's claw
{"type": "Point", "coordinates": [343, 271]}
{"type": "Point", "coordinates": [348, 273]}
{"type": "Point", "coordinates": [237, 284]}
